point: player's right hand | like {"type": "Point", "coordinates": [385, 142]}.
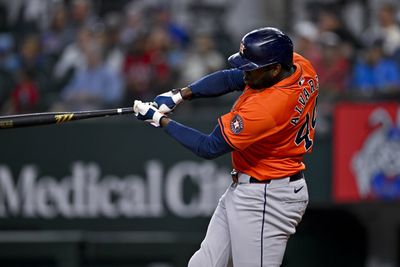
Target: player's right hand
{"type": "Point", "coordinates": [146, 111]}
{"type": "Point", "coordinates": [168, 101]}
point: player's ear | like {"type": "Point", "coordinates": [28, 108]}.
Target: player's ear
{"type": "Point", "coordinates": [276, 70]}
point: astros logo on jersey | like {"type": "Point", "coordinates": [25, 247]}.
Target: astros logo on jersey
{"type": "Point", "coordinates": [236, 124]}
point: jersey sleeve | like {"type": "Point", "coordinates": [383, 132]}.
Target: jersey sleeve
{"type": "Point", "coordinates": [218, 83]}
{"type": "Point", "coordinates": [205, 146]}
{"type": "Point", "coordinates": [243, 127]}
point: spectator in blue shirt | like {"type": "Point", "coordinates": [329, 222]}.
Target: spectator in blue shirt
{"type": "Point", "coordinates": [376, 73]}
{"type": "Point", "coordinates": [95, 86]}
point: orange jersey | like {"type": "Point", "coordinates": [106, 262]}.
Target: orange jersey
{"type": "Point", "coordinates": [271, 129]}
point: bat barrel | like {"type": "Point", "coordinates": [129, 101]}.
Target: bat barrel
{"type": "Point", "coordinates": [26, 120]}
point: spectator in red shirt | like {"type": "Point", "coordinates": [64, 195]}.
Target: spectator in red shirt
{"type": "Point", "coordinates": [25, 95]}
{"type": "Point", "coordinates": [332, 66]}
{"type": "Point", "coordinates": [333, 69]}
{"type": "Point", "coordinates": [146, 66]}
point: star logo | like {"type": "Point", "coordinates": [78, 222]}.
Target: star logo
{"type": "Point", "coordinates": [241, 48]}
{"type": "Point", "coordinates": [301, 82]}
{"type": "Point", "coordinates": [236, 124]}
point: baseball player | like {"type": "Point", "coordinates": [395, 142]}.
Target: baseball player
{"type": "Point", "coordinates": [269, 129]}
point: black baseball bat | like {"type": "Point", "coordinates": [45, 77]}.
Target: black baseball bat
{"type": "Point", "coordinates": [33, 119]}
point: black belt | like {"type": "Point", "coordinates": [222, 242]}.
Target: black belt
{"type": "Point", "coordinates": [297, 176]}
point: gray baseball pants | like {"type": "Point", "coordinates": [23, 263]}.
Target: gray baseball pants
{"type": "Point", "coordinates": [252, 224]}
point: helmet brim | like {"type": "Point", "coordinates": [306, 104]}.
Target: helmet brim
{"type": "Point", "coordinates": [239, 62]}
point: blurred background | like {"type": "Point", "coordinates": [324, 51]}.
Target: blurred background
{"type": "Point", "coordinates": [116, 192]}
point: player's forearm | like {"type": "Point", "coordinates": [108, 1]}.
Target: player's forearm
{"type": "Point", "coordinates": [216, 84]}
{"type": "Point", "coordinates": [186, 93]}
{"type": "Point", "coordinates": [205, 146]}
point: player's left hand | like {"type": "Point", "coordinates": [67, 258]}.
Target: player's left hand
{"type": "Point", "coordinates": [168, 101]}
{"type": "Point", "coordinates": [146, 111]}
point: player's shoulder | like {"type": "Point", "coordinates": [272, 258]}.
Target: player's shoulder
{"type": "Point", "coordinates": [267, 101]}
{"type": "Point", "coordinates": [304, 63]}
{"type": "Point", "coordinates": [297, 58]}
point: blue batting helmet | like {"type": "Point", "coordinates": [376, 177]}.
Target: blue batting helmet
{"type": "Point", "coordinates": [263, 47]}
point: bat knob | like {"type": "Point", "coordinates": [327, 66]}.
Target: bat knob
{"type": "Point", "coordinates": [136, 104]}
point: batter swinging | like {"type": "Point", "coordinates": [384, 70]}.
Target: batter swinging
{"type": "Point", "coordinates": [269, 129]}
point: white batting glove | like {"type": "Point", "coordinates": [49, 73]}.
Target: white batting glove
{"type": "Point", "coordinates": [168, 101]}
{"type": "Point", "coordinates": [146, 111]}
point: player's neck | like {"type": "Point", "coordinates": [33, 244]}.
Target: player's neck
{"type": "Point", "coordinates": [286, 73]}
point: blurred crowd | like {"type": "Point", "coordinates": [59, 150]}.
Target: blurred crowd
{"type": "Point", "coordinates": [363, 67]}
{"type": "Point", "coordinates": [62, 55]}
{"type": "Point", "coordinates": [58, 55]}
